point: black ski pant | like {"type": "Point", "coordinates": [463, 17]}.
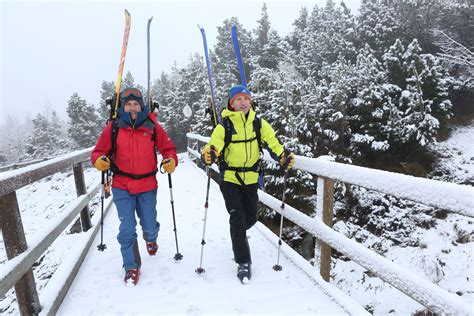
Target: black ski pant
{"type": "Point", "coordinates": [241, 204]}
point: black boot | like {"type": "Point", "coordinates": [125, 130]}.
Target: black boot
{"type": "Point", "coordinates": [244, 272]}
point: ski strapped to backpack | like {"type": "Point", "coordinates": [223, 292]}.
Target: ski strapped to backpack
{"type": "Point", "coordinates": [113, 151]}
{"type": "Point", "coordinates": [215, 115]}
{"type": "Point", "coordinates": [235, 42]}
{"type": "Point", "coordinates": [229, 130]}
{"type": "Point", "coordinates": [126, 33]}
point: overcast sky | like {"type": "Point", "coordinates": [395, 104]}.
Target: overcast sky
{"type": "Point", "coordinates": [49, 50]}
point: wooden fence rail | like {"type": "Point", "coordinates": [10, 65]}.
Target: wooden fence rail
{"type": "Point", "coordinates": [17, 271]}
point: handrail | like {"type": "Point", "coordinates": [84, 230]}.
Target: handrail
{"type": "Point", "coordinates": [15, 268]}
{"type": "Point", "coordinates": [17, 271]}
{"type": "Point", "coordinates": [13, 180]}
{"type": "Point", "coordinates": [426, 293]}
{"type": "Point", "coordinates": [448, 196]}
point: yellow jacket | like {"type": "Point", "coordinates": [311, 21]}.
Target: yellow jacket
{"type": "Point", "coordinates": [243, 154]}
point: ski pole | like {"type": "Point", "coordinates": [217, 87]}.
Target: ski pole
{"type": "Point", "coordinates": [200, 269]}
{"type": "Point", "coordinates": [177, 256]}
{"type": "Point", "coordinates": [277, 266]}
{"type": "Point", "coordinates": [102, 246]}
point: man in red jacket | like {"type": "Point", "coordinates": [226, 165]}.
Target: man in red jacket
{"type": "Point", "coordinates": [128, 146]}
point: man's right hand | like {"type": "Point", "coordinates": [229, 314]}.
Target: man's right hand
{"type": "Point", "coordinates": [210, 155]}
{"type": "Point", "coordinates": [102, 163]}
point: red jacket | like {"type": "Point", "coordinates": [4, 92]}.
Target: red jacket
{"type": "Point", "coordinates": [135, 153]}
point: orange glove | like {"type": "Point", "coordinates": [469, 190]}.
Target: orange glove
{"type": "Point", "coordinates": [169, 165]}
{"type": "Point", "coordinates": [210, 154]}
{"type": "Point", "coordinates": [289, 160]}
{"type": "Point", "coordinates": [102, 163]}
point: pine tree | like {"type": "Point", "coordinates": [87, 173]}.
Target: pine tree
{"type": "Point", "coordinates": [267, 46]}
{"type": "Point", "coordinates": [327, 37]}
{"type": "Point", "coordinates": [377, 26]}
{"type": "Point", "coordinates": [84, 124]}
{"type": "Point", "coordinates": [422, 98]}
{"type": "Point", "coordinates": [191, 91]}
{"type": "Point", "coordinates": [296, 37]}
{"type": "Point", "coordinates": [47, 138]}
{"type": "Point", "coordinates": [107, 91]}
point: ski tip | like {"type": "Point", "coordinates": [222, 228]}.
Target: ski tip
{"type": "Point", "coordinates": [127, 13]}
{"type": "Point", "coordinates": [149, 20]}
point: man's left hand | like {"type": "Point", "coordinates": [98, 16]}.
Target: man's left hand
{"type": "Point", "coordinates": [169, 165]}
{"type": "Point", "coordinates": [288, 160]}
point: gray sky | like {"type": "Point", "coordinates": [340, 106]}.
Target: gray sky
{"type": "Point", "coordinates": [49, 50]}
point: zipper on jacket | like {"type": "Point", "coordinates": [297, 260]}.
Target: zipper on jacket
{"type": "Point", "coordinates": [242, 116]}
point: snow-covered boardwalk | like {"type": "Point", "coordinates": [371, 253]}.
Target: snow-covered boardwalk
{"type": "Point", "coordinates": [170, 287]}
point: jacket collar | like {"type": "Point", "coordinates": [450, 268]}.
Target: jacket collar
{"type": "Point", "coordinates": [126, 118]}
{"type": "Point", "coordinates": [238, 117]}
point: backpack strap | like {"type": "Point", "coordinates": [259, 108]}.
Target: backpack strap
{"type": "Point", "coordinates": [257, 128]}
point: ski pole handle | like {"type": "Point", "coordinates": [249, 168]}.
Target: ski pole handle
{"type": "Point", "coordinates": [213, 154]}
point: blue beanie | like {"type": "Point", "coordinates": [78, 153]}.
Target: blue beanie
{"type": "Point", "coordinates": [235, 91]}
{"type": "Point", "coordinates": [131, 94]}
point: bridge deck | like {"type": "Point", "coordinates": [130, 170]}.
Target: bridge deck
{"type": "Point", "coordinates": [167, 286]}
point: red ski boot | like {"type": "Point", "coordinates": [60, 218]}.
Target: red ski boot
{"type": "Point", "coordinates": [151, 247]}
{"type": "Point", "coordinates": [131, 277]}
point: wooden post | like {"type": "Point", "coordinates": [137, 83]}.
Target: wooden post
{"type": "Point", "coordinates": [81, 189]}
{"type": "Point", "coordinates": [324, 211]}
{"type": "Point", "coordinates": [328, 204]}
{"type": "Point", "coordinates": [15, 243]}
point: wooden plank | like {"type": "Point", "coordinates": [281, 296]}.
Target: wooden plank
{"type": "Point", "coordinates": [81, 189]}
{"type": "Point", "coordinates": [53, 305]}
{"type": "Point", "coordinates": [15, 269]}
{"type": "Point", "coordinates": [15, 244]}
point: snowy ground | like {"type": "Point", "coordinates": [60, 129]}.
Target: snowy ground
{"type": "Point", "coordinates": [167, 286]}
{"type": "Point", "coordinates": [456, 163]}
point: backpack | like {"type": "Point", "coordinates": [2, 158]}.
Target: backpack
{"type": "Point", "coordinates": [229, 128]}
{"type": "Point", "coordinates": [113, 151]}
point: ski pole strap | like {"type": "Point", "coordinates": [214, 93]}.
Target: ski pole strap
{"type": "Point", "coordinates": [116, 170]}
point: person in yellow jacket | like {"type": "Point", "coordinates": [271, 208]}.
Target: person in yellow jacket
{"type": "Point", "coordinates": [239, 158]}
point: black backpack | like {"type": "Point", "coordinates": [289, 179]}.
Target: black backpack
{"type": "Point", "coordinates": [229, 129]}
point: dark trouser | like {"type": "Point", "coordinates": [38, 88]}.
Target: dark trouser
{"type": "Point", "coordinates": [241, 204]}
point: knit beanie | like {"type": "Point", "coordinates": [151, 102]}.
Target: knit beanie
{"type": "Point", "coordinates": [236, 91]}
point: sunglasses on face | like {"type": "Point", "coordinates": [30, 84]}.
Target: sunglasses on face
{"type": "Point", "coordinates": [135, 92]}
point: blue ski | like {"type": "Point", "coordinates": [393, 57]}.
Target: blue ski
{"type": "Point", "coordinates": [150, 107]}
{"type": "Point", "coordinates": [235, 42]}
{"type": "Point", "coordinates": [215, 115]}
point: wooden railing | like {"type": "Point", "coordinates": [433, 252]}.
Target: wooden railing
{"type": "Point", "coordinates": [17, 271]}
{"type": "Point", "coordinates": [449, 196]}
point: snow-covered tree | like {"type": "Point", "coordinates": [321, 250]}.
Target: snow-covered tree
{"type": "Point", "coordinates": [107, 91]}
{"type": "Point", "coordinates": [84, 125]}
{"type": "Point", "coordinates": [377, 26]}
{"type": "Point", "coordinates": [47, 138]}
{"type": "Point", "coordinates": [422, 99]}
